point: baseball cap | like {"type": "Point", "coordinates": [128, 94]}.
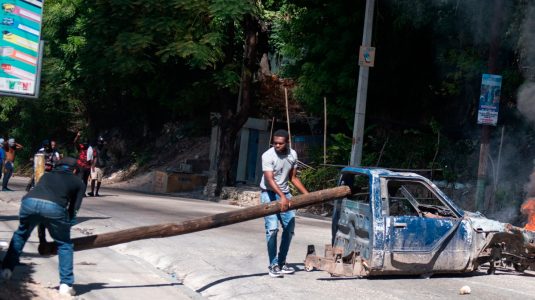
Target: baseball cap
{"type": "Point", "coordinates": [67, 161]}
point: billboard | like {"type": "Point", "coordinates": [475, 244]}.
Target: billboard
{"type": "Point", "coordinates": [20, 47]}
{"type": "Point", "coordinates": [489, 99]}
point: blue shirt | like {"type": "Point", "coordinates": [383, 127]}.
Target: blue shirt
{"type": "Point", "coordinates": [2, 155]}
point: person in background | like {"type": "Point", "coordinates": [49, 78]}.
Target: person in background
{"type": "Point", "coordinates": [54, 202]}
{"type": "Point", "coordinates": [3, 244]}
{"type": "Point", "coordinates": [51, 156]}
{"type": "Point", "coordinates": [55, 150]}
{"type": "Point", "coordinates": [2, 156]}
{"type": "Point", "coordinates": [84, 161]}
{"type": "Point", "coordinates": [99, 162]}
{"type": "Point", "coordinates": [9, 166]}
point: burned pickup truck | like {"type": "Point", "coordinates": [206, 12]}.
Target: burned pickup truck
{"type": "Point", "coordinates": [401, 223]}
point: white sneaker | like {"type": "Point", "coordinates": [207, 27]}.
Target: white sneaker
{"type": "Point", "coordinates": [6, 274]}
{"type": "Point", "coordinates": [4, 245]}
{"type": "Point", "coordinates": [66, 290]}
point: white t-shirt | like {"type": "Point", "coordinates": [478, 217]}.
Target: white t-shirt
{"type": "Point", "coordinates": [281, 165]}
{"type": "Point", "coordinates": [90, 153]}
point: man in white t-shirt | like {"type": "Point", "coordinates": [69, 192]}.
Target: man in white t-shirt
{"type": "Point", "coordinates": [279, 165]}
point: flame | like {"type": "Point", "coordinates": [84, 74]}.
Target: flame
{"type": "Point", "coordinates": [528, 208]}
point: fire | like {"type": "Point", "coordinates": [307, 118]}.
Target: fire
{"type": "Point", "coordinates": [528, 208]}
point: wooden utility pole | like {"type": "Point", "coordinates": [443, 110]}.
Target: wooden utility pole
{"type": "Point", "coordinates": [486, 129]}
{"type": "Point", "coordinates": [208, 222]}
{"type": "Point", "coordinates": [324, 130]}
{"type": "Point", "coordinates": [288, 116]}
{"type": "Point", "coordinates": [362, 90]}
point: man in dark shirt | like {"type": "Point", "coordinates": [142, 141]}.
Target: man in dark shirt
{"type": "Point", "coordinates": [54, 202]}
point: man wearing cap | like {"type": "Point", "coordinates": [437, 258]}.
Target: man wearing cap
{"type": "Point", "coordinates": [9, 166]}
{"type": "Point", "coordinates": [54, 202]}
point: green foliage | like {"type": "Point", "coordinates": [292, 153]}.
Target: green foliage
{"type": "Point", "coordinates": [319, 178]}
{"type": "Point", "coordinates": [318, 40]}
{"type": "Point", "coordinates": [339, 149]}
{"type": "Point", "coordinates": [141, 158]}
{"type": "Point", "coordinates": [141, 62]}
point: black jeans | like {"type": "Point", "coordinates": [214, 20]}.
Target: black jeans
{"type": "Point", "coordinates": [84, 174]}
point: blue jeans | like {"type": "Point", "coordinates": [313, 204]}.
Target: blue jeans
{"type": "Point", "coordinates": [287, 220]}
{"type": "Point", "coordinates": [56, 219]}
{"type": "Point", "coordinates": [7, 175]}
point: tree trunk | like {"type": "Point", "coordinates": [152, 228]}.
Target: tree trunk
{"type": "Point", "coordinates": [199, 224]}
{"type": "Point", "coordinates": [231, 122]}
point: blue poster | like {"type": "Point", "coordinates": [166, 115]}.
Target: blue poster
{"type": "Point", "coordinates": [489, 99]}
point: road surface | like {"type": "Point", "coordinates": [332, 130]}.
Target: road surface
{"type": "Point", "coordinates": [225, 263]}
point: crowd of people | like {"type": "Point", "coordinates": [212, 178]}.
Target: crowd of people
{"type": "Point", "coordinates": [91, 160]}
{"type": "Point", "coordinates": [53, 200]}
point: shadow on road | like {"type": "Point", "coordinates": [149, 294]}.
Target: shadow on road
{"type": "Point", "coordinates": [212, 284]}
{"type": "Point", "coordinates": [86, 288]}
{"type": "Point", "coordinates": [100, 196]}
{"type": "Point", "coordinates": [17, 286]}
{"type": "Point", "coordinates": [78, 219]}
{"type": "Point", "coordinates": [9, 218]}
{"type": "Point", "coordinates": [83, 219]}
{"type": "Point", "coordinates": [481, 272]}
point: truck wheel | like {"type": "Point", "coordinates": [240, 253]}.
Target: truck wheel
{"type": "Point", "coordinates": [519, 267]}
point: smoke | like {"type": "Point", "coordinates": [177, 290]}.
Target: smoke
{"type": "Point", "coordinates": [526, 93]}
{"type": "Point", "coordinates": [527, 44]}
{"type": "Point", "coordinates": [526, 101]}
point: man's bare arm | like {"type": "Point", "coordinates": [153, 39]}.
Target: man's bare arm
{"type": "Point", "coordinates": [297, 182]}
{"type": "Point", "coordinates": [76, 138]}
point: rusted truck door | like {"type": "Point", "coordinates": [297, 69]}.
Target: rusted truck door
{"type": "Point", "coordinates": [353, 225]}
{"type": "Point", "coordinates": [423, 234]}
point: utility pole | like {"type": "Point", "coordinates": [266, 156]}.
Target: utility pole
{"type": "Point", "coordinates": [199, 224]}
{"type": "Point", "coordinates": [362, 90]}
{"type": "Point", "coordinates": [486, 129]}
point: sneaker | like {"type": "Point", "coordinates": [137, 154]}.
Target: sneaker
{"type": "Point", "coordinates": [275, 271]}
{"type": "Point", "coordinates": [4, 244]}
{"type": "Point", "coordinates": [97, 195]}
{"type": "Point", "coordinates": [285, 269]}
{"type": "Point", "coordinates": [7, 190]}
{"type": "Point", "coordinates": [90, 194]}
{"type": "Point", "coordinates": [6, 274]}
{"type": "Point", "coordinates": [66, 290]}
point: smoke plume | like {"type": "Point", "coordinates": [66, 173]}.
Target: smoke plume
{"type": "Point", "coordinates": [526, 101]}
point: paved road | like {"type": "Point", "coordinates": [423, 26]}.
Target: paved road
{"type": "Point", "coordinates": [231, 262]}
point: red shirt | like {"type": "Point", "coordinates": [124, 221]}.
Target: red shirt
{"type": "Point", "coordinates": [82, 158]}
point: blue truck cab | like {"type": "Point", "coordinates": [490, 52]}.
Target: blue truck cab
{"type": "Point", "coordinates": [402, 223]}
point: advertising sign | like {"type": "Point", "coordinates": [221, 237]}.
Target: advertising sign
{"type": "Point", "coordinates": [20, 47]}
{"type": "Point", "coordinates": [489, 101]}
{"type": "Point", "coordinates": [367, 56]}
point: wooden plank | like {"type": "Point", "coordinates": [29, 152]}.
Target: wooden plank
{"type": "Point", "coordinates": [203, 223]}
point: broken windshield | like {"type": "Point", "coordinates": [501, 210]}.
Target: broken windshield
{"type": "Point", "coordinates": [414, 198]}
